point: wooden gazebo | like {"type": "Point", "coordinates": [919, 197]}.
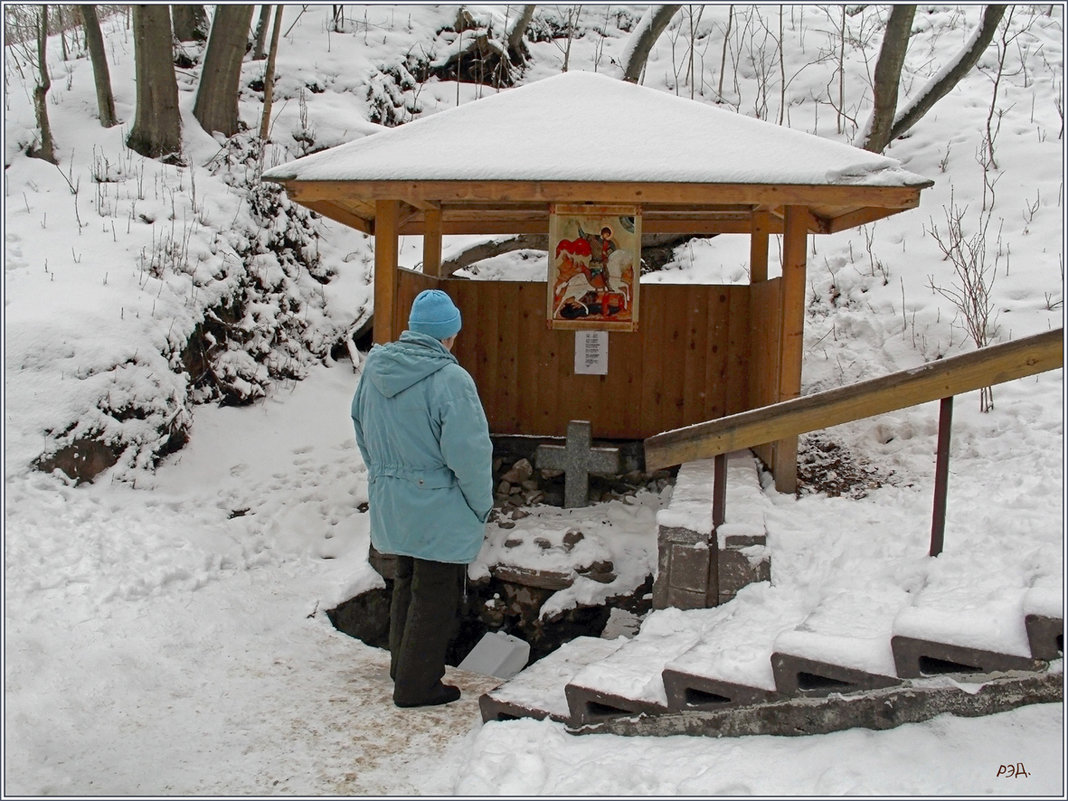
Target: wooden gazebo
{"type": "Point", "coordinates": [495, 165]}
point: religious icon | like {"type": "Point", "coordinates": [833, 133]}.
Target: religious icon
{"type": "Point", "coordinates": [594, 267]}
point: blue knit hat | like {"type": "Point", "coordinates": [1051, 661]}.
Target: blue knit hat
{"type": "Point", "coordinates": [434, 314]}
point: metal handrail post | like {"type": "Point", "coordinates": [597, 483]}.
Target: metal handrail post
{"type": "Point", "coordinates": [719, 491]}
{"type": "Point", "coordinates": [938, 521]}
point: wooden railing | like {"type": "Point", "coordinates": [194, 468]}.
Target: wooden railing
{"type": "Point", "coordinates": [940, 380]}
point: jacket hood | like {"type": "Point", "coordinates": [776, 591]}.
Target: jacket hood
{"type": "Point", "coordinates": [394, 367]}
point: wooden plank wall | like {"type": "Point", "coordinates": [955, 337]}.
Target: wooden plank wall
{"type": "Point", "coordinates": [688, 362]}
{"type": "Point", "coordinates": [764, 352]}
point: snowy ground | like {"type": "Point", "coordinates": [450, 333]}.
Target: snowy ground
{"type": "Point", "coordinates": [157, 646]}
{"type": "Point", "coordinates": [165, 632]}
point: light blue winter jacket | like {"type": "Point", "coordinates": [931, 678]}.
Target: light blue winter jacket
{"type": "Point", "coordinates": [424, 438]}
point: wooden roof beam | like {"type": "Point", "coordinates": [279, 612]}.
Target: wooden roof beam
{"type": "Point", "coordinates": [416, 193]}
{"type": "Point", "coordinates": [407, 213]}
{"type": "Point", "coordinates": [341, 215]}
{"type": "Point", "coordinates": [696, 226]}
{"type": "Point", "coordinates": [817, 223]}
{"type": "Point", "coordinates": [857, 217]}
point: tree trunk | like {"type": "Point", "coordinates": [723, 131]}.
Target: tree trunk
{"type": "Point", "coordinates": [157, 127]}
{"type": "Point", "coordinates": [888, 76]}
{"type": "Point", "coordinates": [61, 26]}
{"type": "Point", "coordinates": [258, 52]}
{"type": "Point", "coordinates": [268, 78]}
{"type": "Point", "coordinates": [642, 40]}
{"type": "Point", "coordinates": [47, 150]}
{"type": "Point", "coordinates": [190, 22]}
{"type": "Point", "coordinates": [944, 82]}
{"type": "Point", "coordinates": [220, 79]}
{"type": "Point", "coordinates": [657, 250]}
{"type": "Point", "coordinates": [94, 41]}
{"type": "Point", "coordinates": [517, 48]}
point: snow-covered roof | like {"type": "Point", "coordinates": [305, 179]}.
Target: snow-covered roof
{"type": "Point", "coordinates": [494, 165]}
{"type": "Point", "coordinates": [582, 126]}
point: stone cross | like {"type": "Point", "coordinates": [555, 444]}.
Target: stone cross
{"type": "Point", "coordinates": [577, 459]}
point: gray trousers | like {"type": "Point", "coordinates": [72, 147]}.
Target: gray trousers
{"type": "Point", "coordinates": [422, 621]}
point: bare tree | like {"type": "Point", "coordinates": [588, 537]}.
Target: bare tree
{"type": "Point", "coordinates": [571, 21]}
{"type": "Point", "coordinates": [945, 80]}
{"type": "Point", "coordinates": [157, 127]}
{"type": "Point", "coordinates": [888, 77]}
{"type": "Point", "coordinates": [642, 39]}
{"type": "Point", "coordinates": [723, 55]}
{"type": "Point", "coordinates": [974, 276]}
{"type": "Point", "coordinates": [887, 123]}
{"type": "Point", "coordinates": [268, 77]}
{"type": "Point", "coordinates": [517, 48]}
{"type": "Point", "coordinates": [259, 51]}
{"type": "Point", "coordinates": [220, 79]}
{"type": "Point", "coordinates": [94, 41]}
{"type": "Point", "coordinates": [190, 22]}
{"type": "Point", "coordinates": [25, 37]}
{"type": "Point", "coordinates": [47, 150]}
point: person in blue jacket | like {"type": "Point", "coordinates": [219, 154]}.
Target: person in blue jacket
{"type": "Point", "coordinates": [422, 431]}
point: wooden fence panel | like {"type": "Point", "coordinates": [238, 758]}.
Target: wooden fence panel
{"type": "Point", "coordinates": [698, 389]}
{"type": "Point", "coordinates": [656, 359]}
{"type": "Point", "coordinates": [409, 284]}
{"type": "Point", "coordinates": [764, 353]}
{"type": "Point", "coordinates": [689, 361]}
{"type": "Point", "coordinates": [764, 348]}
{"type": "Point", "coordinates": [738, 357]}
{"type": "Point", "coordinates": [716, 347]}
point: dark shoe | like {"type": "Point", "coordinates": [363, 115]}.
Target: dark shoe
{"type": "Point", "coordinates": [445, 694]}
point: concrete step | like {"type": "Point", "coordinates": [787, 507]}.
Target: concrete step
{"type": "Point", "coordinates": [932, 640]}
{"type": "Point", "coordinates": [800, 676]}
{"type": "Point", "coordinates": [1043, 608]}
{"type": "Point", "coordinates": [688, 689]}
{"type": "Point", "coordinates": [538, 691]}
{"type": "Point", "coordinates": [628, 682]}
{"type": "Point", "coordinates": [843, 646]}
{"type": "Point", "coordinates": [709, 676]}
{"type": "Point", "coordinates": [801, 681]}
{"type": "Point", "coordinates": [698, 568]}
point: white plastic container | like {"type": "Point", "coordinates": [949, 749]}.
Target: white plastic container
{"type": "Point", "coordinates": [497, 654]}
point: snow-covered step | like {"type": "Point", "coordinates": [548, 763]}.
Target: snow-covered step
{"type": "Point", "coordinates": [930, 640]}
{"type": "Point", "coordinates": [693, 688]}
{"type": "Point", "coordinates": [690, 506]}
{"type": "Point", "coordinates": [810, 663]}
{"type": "Point", "coordinates": [627, 682]}
{"type": "Point", "coordinates": [1043, 607]}
{"type": "Point", "coordinates": [731, 665]}
{"type": "Point", "coordinates": [842, 646]}
{"type": "Point", "coordinates": [538, 691]}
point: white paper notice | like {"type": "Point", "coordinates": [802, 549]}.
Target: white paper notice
{"type": "Point", "coordinates": [591, 353]}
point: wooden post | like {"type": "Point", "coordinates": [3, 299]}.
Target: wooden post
{"type": "Point", "coordinates": [387, 215]}
{"type": "Point", "coordinates": [432, 242]}
{"type": "Point", "coordinates": [758, 274]}
{"type": "Point", "coordinates": [792, 335]}
{"type": "Point", "coordinates": [758, 247]}
{"type": "Point", "coordinates": [938, 517]}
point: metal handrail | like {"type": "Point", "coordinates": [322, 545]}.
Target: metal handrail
{"type": "Point", "coordinates": [940, 380]}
